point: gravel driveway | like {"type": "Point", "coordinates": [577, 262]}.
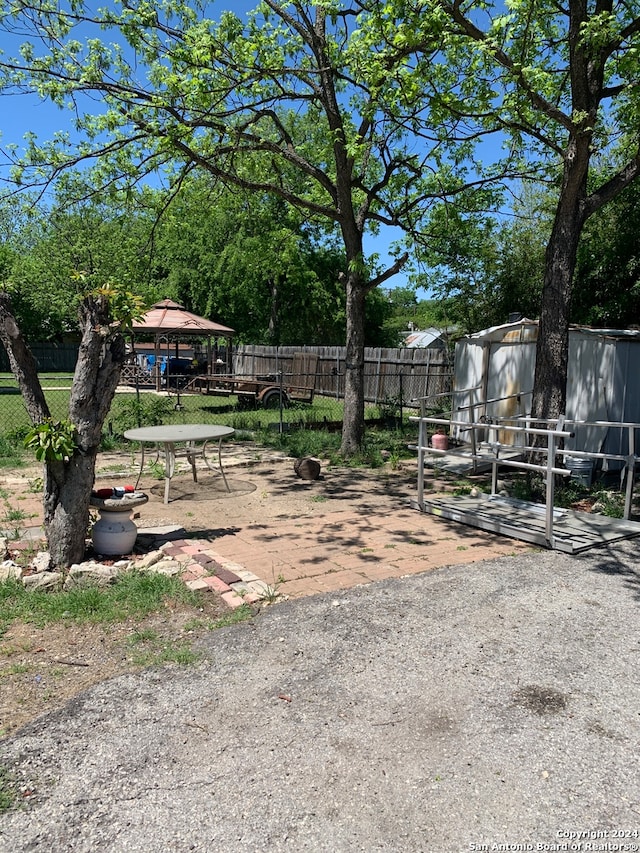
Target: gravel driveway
{"type": "Point", "coordinates": [492, 706]}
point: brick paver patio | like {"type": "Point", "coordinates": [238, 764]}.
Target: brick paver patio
{"type": "Point", "coordinates": [328, 553]}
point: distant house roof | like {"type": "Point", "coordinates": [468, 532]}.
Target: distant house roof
{"type": "Point", "coordinates": [425, 338]}
{"type": "Point", "coordinates": [167, 316]}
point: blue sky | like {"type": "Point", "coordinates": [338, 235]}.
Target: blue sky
{"type": "Point", "coordinates": [26, 113]}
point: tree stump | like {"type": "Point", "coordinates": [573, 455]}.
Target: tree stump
{"type": "Point", "coordinates": [308, 468]}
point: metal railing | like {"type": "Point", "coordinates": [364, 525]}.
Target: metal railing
{"type": "Point", "coordinates": [629, 459]}
{"type": "Point", "coordinates": [554, 431]}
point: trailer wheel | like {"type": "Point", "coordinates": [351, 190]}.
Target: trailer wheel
{"type": "Point", "coordinates": [271, 398]}
{"type": "Point", "coordinates": [246, 401]}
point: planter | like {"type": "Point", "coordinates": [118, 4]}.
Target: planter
{"type": "Point", "coordinates": [581, 469]}
{"type": "Point", "coordinates": [115, 533]}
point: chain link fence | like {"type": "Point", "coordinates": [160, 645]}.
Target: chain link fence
{"type": "Point", "coordinates": [269, 389]}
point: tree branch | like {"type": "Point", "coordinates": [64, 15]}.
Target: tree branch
{"type": "Point", "coordinates": [613, 186]}
{"type": "Point", "coordinates": [388, 273]}
{"type": "Point", "coordinates": [23, 364]}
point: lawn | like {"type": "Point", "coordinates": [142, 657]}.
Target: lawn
{"type": "Point", "coordinates": [129, 410]}
{"type": "Point", "coordinates": [307, 429]}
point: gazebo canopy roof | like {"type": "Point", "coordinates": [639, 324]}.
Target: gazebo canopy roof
{"type": "Point", "coordinates": [167, 317]}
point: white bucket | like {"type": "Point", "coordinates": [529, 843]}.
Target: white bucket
{"type": "Point", "coordinates": [581, 469]}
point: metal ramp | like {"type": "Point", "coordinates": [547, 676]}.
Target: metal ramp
{"type": "Point", "coordinates": [464, 460]}
{"type": "Point", "coordinates": [572, 531]}
{"type": "Point", "coordinates": [541, 524]}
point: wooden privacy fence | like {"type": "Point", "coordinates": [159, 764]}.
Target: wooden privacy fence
{"type": "Point", "coordinates": [399, 375]}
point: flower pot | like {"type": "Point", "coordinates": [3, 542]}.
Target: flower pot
{"type": "Point", "coordinates": [114, 533]}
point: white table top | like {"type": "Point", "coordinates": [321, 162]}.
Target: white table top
{"type": "Point", "coordinates": [172, 433]}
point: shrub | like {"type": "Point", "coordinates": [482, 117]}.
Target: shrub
{"type": "Point", "coordinates": [147, 411]}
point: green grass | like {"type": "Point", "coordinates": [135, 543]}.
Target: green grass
{"type": "Point", "coordinates": [13, 415]}
{"type": "Point", "coordinates": [8, 793]}
{"type": "Point", "coordinates": [14, 669]}
{"type": "Point", "coordinates": [152, 650]}
{"type": "Point", "coordinates": [262, 425]}
{"type": "Point", "coordinates": [326, 445]}
{"type": "Point", "coordinates": [12, 452]}
{"type": "Point", "coordinates": [238, 614]}
{"type": "Point", "coordinates": [134, 594]}
{"type": "Point", "coordinates": [127, 409]}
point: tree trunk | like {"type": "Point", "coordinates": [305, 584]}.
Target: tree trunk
{"type": "Point", "coordinates": [552, 350]}
{"type": "Point", "coordinates": [23, 364]}
{"type": "Point", "coordinates": [67, 493]}
{"type": "Point", "coordinates": [68, 482]}
{"type": "Point", "coordinates": [353, 419]}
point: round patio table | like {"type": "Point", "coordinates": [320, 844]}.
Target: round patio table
{"type": "Point", "coordinates": [194, 437]}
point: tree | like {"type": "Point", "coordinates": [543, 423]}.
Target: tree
{"type": "Point", "coordinates": [323, 106]}
{"type": "Point", "coordinates": [248, 261]}
{"type": "Point", "coordinates": [488, 268]}
{"type": "Point", "coordinates": [566, 85]}
{"type": "Point", "coordinates": [253, 263]}
{"type": "Point", "coordinates": [608, 266]}
{"type": "Point", "coordinates": [69, 449]}
{"type": "Point", "coordinates": [103, 239]}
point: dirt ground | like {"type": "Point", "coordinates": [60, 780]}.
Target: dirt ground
{"type": "Point", "coordinates": [42, 667]}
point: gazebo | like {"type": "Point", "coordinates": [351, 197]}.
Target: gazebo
{"type": "Point", "coordinates": [168, 323]}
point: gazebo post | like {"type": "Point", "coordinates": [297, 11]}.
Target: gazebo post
{"type": "Point", "coordinates": [156, 366]}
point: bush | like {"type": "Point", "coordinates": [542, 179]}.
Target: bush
{"type": "Point", "coordinates": [147, 411]}
{"type": "Point", "coordinates": [11, 451]}
{"type": "Point", "coordinates": [303, 442]}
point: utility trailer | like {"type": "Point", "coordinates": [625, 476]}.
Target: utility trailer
{"type": "Point", "coordinates": [265, 391]}
{"type": "Point", "coordinates": [268, 391]}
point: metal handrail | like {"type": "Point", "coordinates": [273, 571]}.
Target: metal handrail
{"type": "Point", "coordinates": [551, 450]}
{"type": "Point", "coordinates": [496, 400]}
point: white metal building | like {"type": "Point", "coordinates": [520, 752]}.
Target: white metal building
{"type": "Point", "coordinates": [494, 371]}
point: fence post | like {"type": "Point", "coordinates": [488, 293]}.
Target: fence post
{"type": "Point", "coordinates": [631, 472]}
{"type": "Point", "coordinates": [138, 414]}
{"type": "Point", "coordinates": [421, 445]}
{"type": "Point", "coordinates": [550, 493]}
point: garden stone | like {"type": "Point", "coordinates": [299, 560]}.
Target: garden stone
{"type": "Point", "coordinates": [151, 537]}
{"type": "Point", "coordinates": [149, 559]}
{"type": "Point", "coordinates": [41, 562]}
{"type": "Point", "coordinates": [10, 570]}
{"type": "Point", "coordinates": [4, 550]}
{"type": "Point", "coordinates": [165, 567]}
{"type": "Point", "coordinates": [81, 574]}
{"type": "Point", "coordinates": [43, 580]}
